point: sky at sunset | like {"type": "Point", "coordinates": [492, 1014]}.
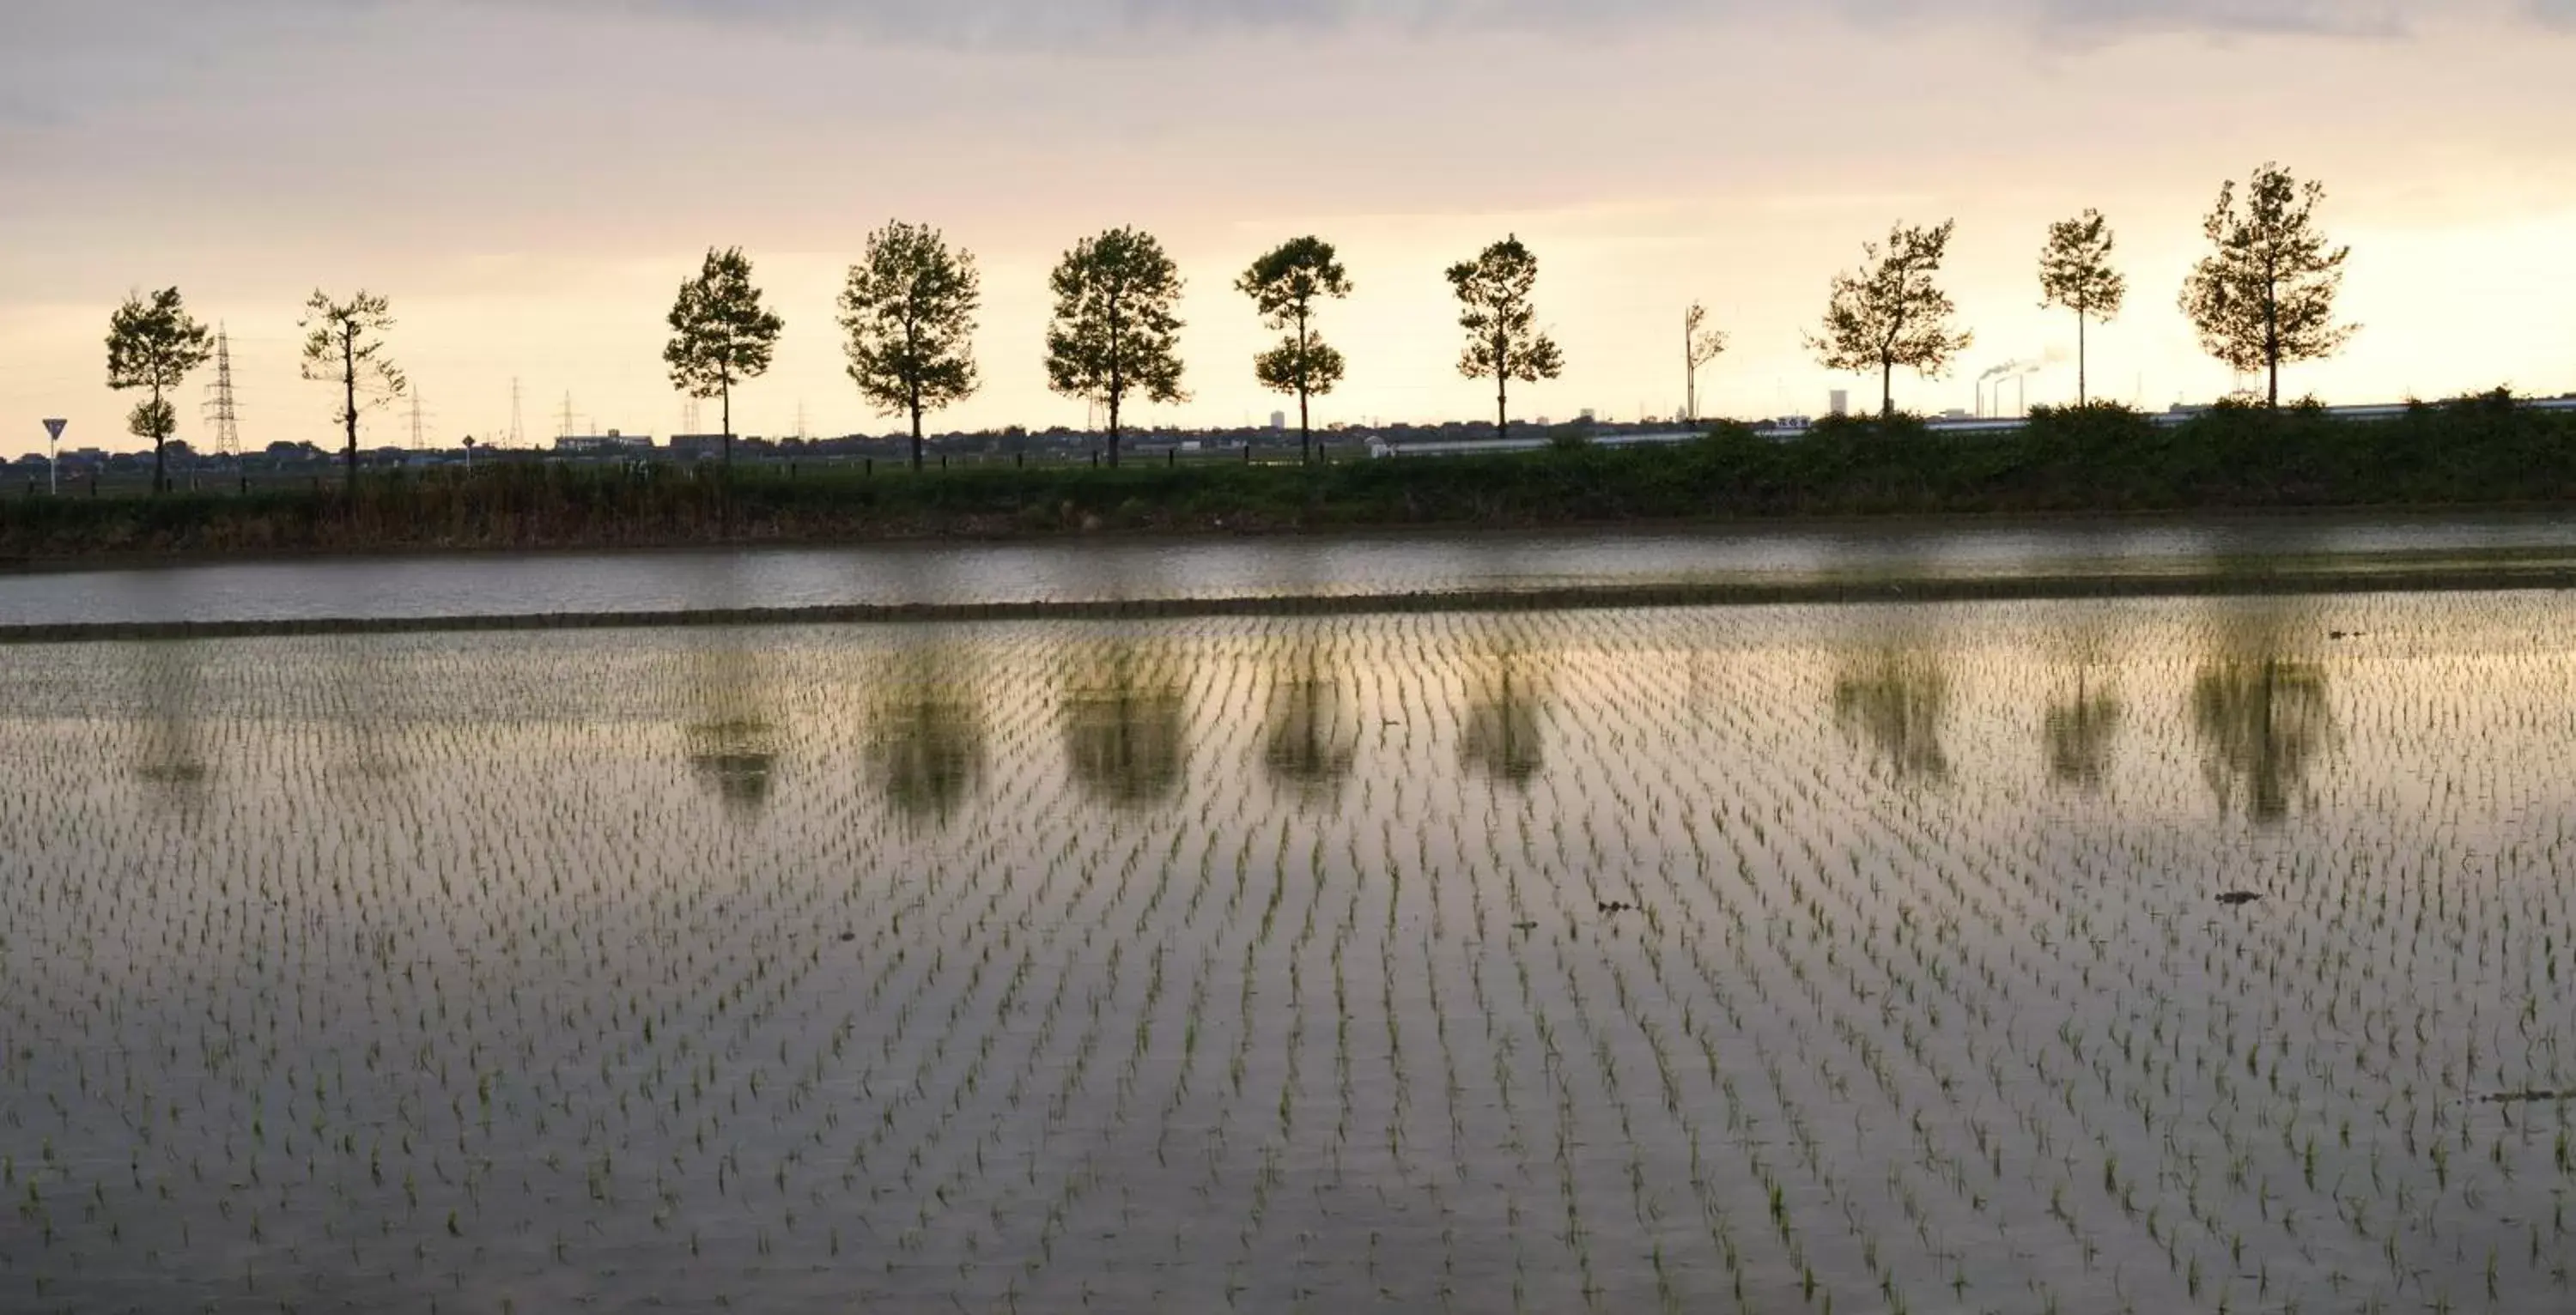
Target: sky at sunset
{"type": "Point", "coordinates": [529, 180]}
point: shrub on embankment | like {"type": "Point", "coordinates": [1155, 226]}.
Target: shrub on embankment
{"type": "Point", "coordinates": [2483, 450]}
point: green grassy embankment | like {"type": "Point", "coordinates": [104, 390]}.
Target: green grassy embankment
{"type": "Point", "coordinates": [2476, 451]}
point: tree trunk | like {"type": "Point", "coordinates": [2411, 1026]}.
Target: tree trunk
{"type": "Point", "coordinates": [2081, 400]}
{"type": "Point", "coordinates": [1886, 389]}
{"type": "Point", "coordinates": [1502, 387]}
{"type": "Point", "coordinates": [160, 481]}
{"type": "Point", "coordinates": [1117, 383]}
{"type": "Point", "coordinates": [1690, 374]}
{"type": "Point", "coordinates": [349, 385]}
{"type": "Point", "coordinates": [726, 389]}
{"type": "Point", "coordinates": [1305, 430]}
{"type": "Point", "coordinates": [916, 429]}
{"type": "Point", "coordinates": [2271, 336]}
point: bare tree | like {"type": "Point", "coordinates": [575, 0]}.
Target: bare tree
{"type": "Point", "coordinates": [1891, 313]}
{"type": "Point", "coordinates": [2075, 272]}
{"type": "Point", "coordinates": [1700, 345]}
{"type": "Point", "coordinates": [2265, 297]}
{"type": "Point", "coordinates": [344, 344]}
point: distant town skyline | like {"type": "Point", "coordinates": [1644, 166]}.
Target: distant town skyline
{"type": "Point", "coordinates": [529, 180]}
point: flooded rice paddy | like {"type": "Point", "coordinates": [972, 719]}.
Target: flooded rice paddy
{"type": "Point", "coordinates": [1766, 959]}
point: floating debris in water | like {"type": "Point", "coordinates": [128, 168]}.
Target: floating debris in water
{"type": "Point", "coordinates": [2239, 897]}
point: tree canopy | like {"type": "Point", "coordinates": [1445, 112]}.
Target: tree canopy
{"type": "Point", "coordinates": [2264, 297]}
{"type": "Point", "coordinates": [721, 335]}
{"type": "Point", "coordinates": [1890, 313]}
{"type": "Point", "coordinates": [1115, 331]}
{"type": "Point", "coordinates": [2075, 272]}
{"type": "Point", "coordinates": [154, 345]}
{"type": "Point", "coordinates": [1285, 284]}
{"type": "Point", "coordinates": [909, 316]}
{"type": "Point", "coordinates": [1503, 339]}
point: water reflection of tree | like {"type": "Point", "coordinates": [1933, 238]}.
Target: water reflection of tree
{"type": "Point", "coordinates": [1502, 736]}
{"type": "Point", "coordinates": [1310, 738]}
{"type": "Point", "coordinates": [1898, 703]}
{"type": "Point", "coordinates": [365, 691]}
{"type": "Point", "coordinates": [732, 743]}
{"type": "Point", "coordinates": [2264, 720]}
{"type": "Point", "coordinates": [1126, 727]}
{"type": "Point", "coordinates": [171, 756]}
{"type": "Point", "coordinates": [2080, 733]}
{"type": "Point", "coordinates": [926, 736]}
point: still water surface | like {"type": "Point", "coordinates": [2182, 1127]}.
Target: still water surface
{"type": "Point", "coordinates": [1136, 569]}
{"type": "Point", "coordinates": [1763, 959]}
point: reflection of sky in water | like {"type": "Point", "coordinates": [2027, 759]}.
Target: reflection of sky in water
{"type": "Point", "coordinates": [1939, 839]}
{"type": "Point", "coordinates": [1280, 566]}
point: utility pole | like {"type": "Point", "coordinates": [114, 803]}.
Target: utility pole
{"type": "Point", "coordinates": [220, 410]}
{"type": "Point", "coordinates": [517, 438]}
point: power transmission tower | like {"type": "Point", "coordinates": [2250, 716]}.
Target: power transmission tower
{"type": "Point", "coordinates": [220, 410]}
{"type": "Point", "coordinates": [518, 438]}
{"type": "Point", "coordinates": [800, 420]}
{"type": "Point", "coordinates": [689, 415]}
{"type": "Point", "coordinates": [419, 417]}
{"type": "Point", "coordinates": [566, 430]}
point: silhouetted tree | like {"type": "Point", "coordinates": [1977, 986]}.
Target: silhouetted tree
{"type": "Point", "coordinates": [1114, 330]}
{"type": "Point", "coordinates": [1700, 345]}
{"type": "Point", "coordinates": [1285, 284]}
{"type": "Point", "coordinates": [344, 344]}
{"type": "Point", "coordinates": [2075, 272]}
{"type": "Point", "coordinates": [720, 334]}
{"type": "Point", "coordinates": [1890, 313]}
{"type": "Point", "coordinates": [1503, 341]}
{"type": "Point", "coordinates": [2265, 297]}
{"type": "Point", "coordinates": [909, 313]}
{"type": "Point", "coordinates": [154, 344]}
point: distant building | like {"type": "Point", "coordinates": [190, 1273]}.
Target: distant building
{"type": "Point", "coordinates": [611, 443]}
{"type": "Point", "coordinates": [697, 445]}
{"type": "Point", "coordinates": [1278, 421]}
{"type": "Point", "coordinates": [1840, 402]}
